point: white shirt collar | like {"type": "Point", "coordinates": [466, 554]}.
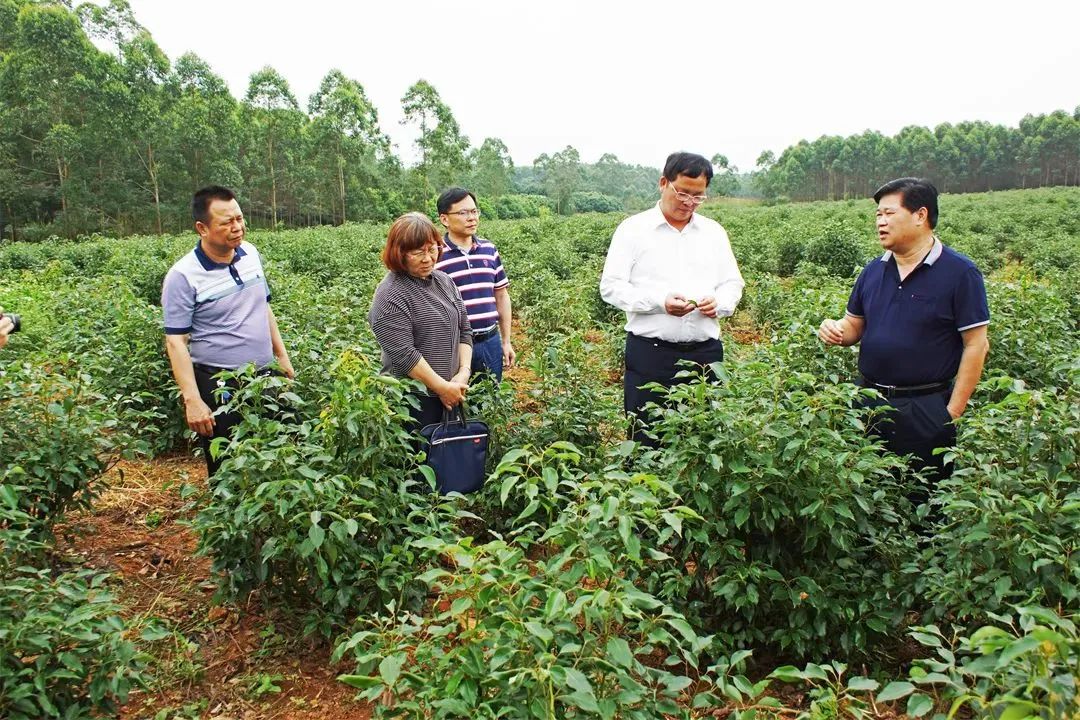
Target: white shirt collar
{"type": "Point", "coordinates": [661, 219]}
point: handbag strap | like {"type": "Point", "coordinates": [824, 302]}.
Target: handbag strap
{"type": "Point", "coordinates": [459, 411]}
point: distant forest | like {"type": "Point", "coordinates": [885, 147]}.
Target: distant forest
{"type": "Point", "coordinates": [100, 132]}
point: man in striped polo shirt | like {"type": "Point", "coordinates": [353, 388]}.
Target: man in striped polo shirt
{"type": "Point", "coordinates": [476, 268]}
{"type": "Point", "coordinates": [217, 314]}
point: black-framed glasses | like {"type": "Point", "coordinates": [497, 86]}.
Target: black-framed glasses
{"type": "Point", "coordinates": [475, 212]}
{"type": "Point", "coordinates": [687, 197]}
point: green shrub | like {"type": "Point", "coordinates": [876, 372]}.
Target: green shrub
{"type": "Point", "coordinates": [318, 511]}
{"type": "Point", "coordinates": [1025, 666]}
{"type": "Point", "coordinates": [515, 639]}
{"type": "Point", "coordinates": [579, 407]}
{"type": "Point", "coordinates": [515, 207]}
{"type": "Point", "coordinates": [62, 648]}
{"type": "Point", "coordinates": [838, 249]}
{"type": "Point", "coordinates": [1033, 331]}
{"type": "Point", "coordinates": [1011, 508]}
{"type": "Point", "coordinates": [806, 524]}
{"type": "Point", "coordinates": [592, 201]}
{"type": "Point", "coordinates": [56, 442]}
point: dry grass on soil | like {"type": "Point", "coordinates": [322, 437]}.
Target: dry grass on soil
{"type": "Point", "coordinates": [213, 663]}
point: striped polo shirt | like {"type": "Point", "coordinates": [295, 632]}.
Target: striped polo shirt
{"type": "Point", "coordinates": [222, 306]}
{"type": "Point", "coordinates": [477, 274]}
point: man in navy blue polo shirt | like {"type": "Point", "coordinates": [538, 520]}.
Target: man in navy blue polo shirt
{"type": "Point", "coordinates": [217, 314]}
{"type": "Point", "coordinates": [474, 265]}
{"type": "Point", "coordinates": [921, 316]}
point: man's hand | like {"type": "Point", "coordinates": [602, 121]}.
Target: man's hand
{"type": "Point", "coordinates": [452, 393]}
{"type": "Point", "coordinates": [955, 415]}
{"type": "Point", "coordinates": [831, 332]}
{"type": "Point", "coordinates": [286, 367]}
{"type": "Point", "coordinates": [508, 354]}
{"type": "Point", "coordinates": [6, 326]}
{"type": "Point", "coordinates": [707, 306]}
{"type": "Point", "coordinates": [199, 417]}
{"type": "Point", "coordinates": [675, 304]}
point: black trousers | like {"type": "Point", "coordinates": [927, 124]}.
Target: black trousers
{"type": "Point", "coordinates": [429, 412]}
{"type": "Point", "coordinates": [223, 422]}
{"type": "Point", "coordinates": [649, 360]}
{"type": "Point", "coordinates": [916, 426]}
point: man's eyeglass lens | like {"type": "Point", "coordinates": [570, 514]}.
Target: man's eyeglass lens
{"type": "Point", "coordinates": [687, 197]}
{"type": "Point", "coordinates": [466, 213]}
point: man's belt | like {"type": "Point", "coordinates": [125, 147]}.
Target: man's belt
{"type": "Point", "coordinates": [485, 334]}
{"type": "Point", "coordinates": [211, 370]}
{"type": "Point", "coordinates": [682, 346]}
{"type": "Point", "coordinates": [900, 391]}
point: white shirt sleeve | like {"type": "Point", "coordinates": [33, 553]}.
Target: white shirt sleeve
{"type": "Point", "coordinates": [729, 289]}
{"type": "Point", "coordinates": [616, 287]}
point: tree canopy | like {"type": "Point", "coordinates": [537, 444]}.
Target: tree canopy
{"type": "Point", "coordinates": [101, 132]}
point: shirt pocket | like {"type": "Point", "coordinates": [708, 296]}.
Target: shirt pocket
{"type": "Point", "coordinates": [928, 310]}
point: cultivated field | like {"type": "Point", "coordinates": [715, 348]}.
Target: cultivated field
{"type": "Point", "coordinates": [589, 577]}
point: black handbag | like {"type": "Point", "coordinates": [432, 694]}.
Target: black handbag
{"type": "Point", "coordinates": [457, 451]}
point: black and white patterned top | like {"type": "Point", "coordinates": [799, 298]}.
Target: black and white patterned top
{"type": "Point", "coordinates": [415, 318]}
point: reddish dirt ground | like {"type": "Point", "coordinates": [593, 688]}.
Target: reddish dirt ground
{"type": "Point", "coordinates": [212, 664]}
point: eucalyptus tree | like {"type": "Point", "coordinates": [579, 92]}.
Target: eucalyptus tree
{"type": "Point", "coordinates": [205, 126]}
{"type": "Point", "coordinates": [273, 123]}
{"type": "Point", "coordinates": [441, 144]}
{"type": "Point", "coordinates": [726, 178]}
{"type": "Point", "coordinates": [345, 140]}
{"type": "Point", "coordinates": [492, 169]}
{"type": "Point", "coordinates": [54, 88]}
{"type": "Point", "coordinates": [561, 174]}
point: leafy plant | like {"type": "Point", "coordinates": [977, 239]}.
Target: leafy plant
{"type": "Point", "coordinates": [1011, 509]}
{"type": "Point", "coordinates": [520, 640]}
{"type": "Point", "coordinates": [319, 512]}
{"type": "Point", "coordinates": [56, 443]}
{"type": "Point", "coordinates": [806, 524]}
{"type": "Point", "coordinates": [62, 648]}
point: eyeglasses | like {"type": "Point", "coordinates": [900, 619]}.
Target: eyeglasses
{"type": "Point", "coordinates": [687, 197]}
{"type": "Point", "coordinates": [422, 252]}
{"type": "Point", "coordinates": [475, 212]}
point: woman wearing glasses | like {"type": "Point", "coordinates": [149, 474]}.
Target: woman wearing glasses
{"type": "Point", "coordinates": [419, 318]}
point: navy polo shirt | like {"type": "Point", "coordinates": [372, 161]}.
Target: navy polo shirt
{"type": "Point", "coordinates": [912, 331]}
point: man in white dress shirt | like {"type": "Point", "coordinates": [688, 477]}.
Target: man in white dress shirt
{"type": "Point", "coordinates": [673, 273]}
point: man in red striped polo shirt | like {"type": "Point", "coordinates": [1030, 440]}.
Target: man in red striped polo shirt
{"type": "Point", "coordinates": [474, 265]}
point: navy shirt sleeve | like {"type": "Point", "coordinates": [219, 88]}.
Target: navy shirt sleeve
{"type": "Point", "coordinates": [969, 301]}
{"type": "Point", "coordinates": [855, 303]}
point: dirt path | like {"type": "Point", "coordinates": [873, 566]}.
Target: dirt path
{"type": "Point", "coordinates": [226, 662]}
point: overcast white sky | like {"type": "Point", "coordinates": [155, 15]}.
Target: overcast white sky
{"type": "Point", "coordinates": [643, 79]}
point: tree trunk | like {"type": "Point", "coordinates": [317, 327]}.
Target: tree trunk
{"type": "Point", "coordinates": [273, 183]}
{"type": "Point", "coordinates": [60, 174]}
{"type": "Point", "coordinates": [341, 186]}
{"type": "Point", "coordinates": [152, 169]}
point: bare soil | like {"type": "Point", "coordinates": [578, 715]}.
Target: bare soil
{"type": "Point", "coordinates": [222, 661]}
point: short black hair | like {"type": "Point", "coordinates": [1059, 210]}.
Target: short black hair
{"type": "Point", "coordinates": [688, 164]}
{"type": "Point", "coordinates": [200, 201]}
{"type": "Point", "coordinates": [914, 193]}
{"type": "Point", "coordinates": [451, 197]}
